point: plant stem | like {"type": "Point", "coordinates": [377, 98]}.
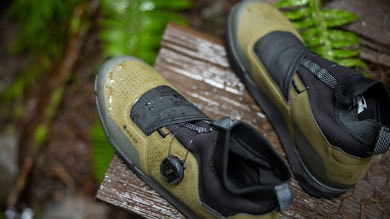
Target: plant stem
{"type": "Point", "coordinates": [323, 28]}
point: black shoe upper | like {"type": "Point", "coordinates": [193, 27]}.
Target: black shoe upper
{"type": "Point", "coordinates": [352, 111]}
{"type": "Point", "coordinates": [238, 169]}
{"type": "Point", "coordinates": [239, 172]}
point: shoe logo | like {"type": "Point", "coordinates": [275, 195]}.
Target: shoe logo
{"type": "Point", "coordinates": [362, 104]}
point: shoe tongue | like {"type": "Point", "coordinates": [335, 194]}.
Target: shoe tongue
{"type": "Point", "coordinates": [246, 162]}
{"type": "Point", "coordinates": [245, 170]}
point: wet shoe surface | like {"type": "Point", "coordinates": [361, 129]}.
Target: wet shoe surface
{"type": "Point", "coordinates": [206, 168]}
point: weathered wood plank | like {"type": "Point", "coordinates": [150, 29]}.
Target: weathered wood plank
{"type": "Point", "coordinates": [195, 63]}
{"type": "Point", "coordinates": [122, 188]}
{"type": "Point", "coordinates": [373, 27]}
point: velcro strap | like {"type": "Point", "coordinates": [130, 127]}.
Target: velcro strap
{"type": "Point", "coordinates": [162, 106]}
{"type": "Point", "coordinates": [283, 194]}
{"type": "Point", "coordinates": [382, 141]}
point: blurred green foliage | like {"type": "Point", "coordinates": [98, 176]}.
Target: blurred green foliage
{"type": "Point", "coordinates": [126, 27]}
{"type": "Point", "coordinates": [131, 27]}
{"type": "Point", "coordinates": [43, 32]}
{"type": "Point", "coordinates": [321, 32]}
{"type": "Point", "coordinates": [135, 27]}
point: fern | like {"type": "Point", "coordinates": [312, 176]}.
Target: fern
{"type": "Point", "coordinates": [135, 27]}
{"type": "Point", "coordinates": [320, 30]}
{"type": "Point", "coordinates": [131, 27]}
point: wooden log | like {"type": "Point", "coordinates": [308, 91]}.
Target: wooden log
{"type": "Point", "coordinates": [195, 63]}
{"type": "Point", "coordinates": [373, 27]}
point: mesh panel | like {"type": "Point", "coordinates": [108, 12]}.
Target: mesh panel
{"type": "Point", "coordinates": [323, 104]}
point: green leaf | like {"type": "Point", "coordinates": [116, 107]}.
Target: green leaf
{"type": "Point", "coordinates": [149, 5]}
{"type": "Point", "coordinates": [297, 14]}
{"type": "Point", "coordinates": [335, 34]}
{"type": "Point", "coordinates": [314, 41]}
{"type": "Point", "coordinates": [302, 24]}
{"type": "Point", "coordinates": [335, 18]}
{"type": "Point", "coordinates": [338, 54]}
{"type": "Point", "coordinates": [290, 3]}
{"type": "Point", "coordinates": [352, 62]}
{"type": "Point", "coordinates": [340, 44]}
{"type": "Point", "coordinates": [308, 33]}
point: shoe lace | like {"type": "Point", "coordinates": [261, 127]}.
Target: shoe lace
{"type": "Point", "coordinates": [329, 80]}
{"type": "Point", "coordinates": [189, 125]}
{"type": "Point", "coordinates": [172, 168]}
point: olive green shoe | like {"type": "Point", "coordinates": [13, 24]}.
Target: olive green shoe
{"type": "Point", "coordinates": [206, 168]}
{"type": "Point", "coordinates": [330, 119]}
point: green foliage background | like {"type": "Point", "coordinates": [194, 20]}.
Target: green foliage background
{"type": "Point", "coordinates": [43, 32]}
{"type": "Point", "coordinates": [126, 27]}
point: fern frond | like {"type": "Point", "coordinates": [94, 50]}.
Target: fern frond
{"type": "Point", "coordinates": [131, 27]}
{"type": "Point", "coordinates": [135, 27]}
{"type": "Point", "coordinates": [320, 31]}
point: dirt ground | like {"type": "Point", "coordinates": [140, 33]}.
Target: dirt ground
{"type": "Point", "coordinates": [61, 183]}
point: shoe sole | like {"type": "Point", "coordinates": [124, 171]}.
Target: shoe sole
{"type": "Point", "coordinates": [107, 67]}
{"type": "Point", "coordinates": [307, 181]}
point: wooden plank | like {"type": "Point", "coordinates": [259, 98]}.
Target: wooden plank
{"type": "Point", "coordinates": [195, 63]}
{"type": "Point", "coordinates": [373, 27]}
{"type": "Point", "coordinates": [122, 188]}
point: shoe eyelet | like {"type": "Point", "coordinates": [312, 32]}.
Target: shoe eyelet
{"type": "Point", "coordinates": [172, 169]}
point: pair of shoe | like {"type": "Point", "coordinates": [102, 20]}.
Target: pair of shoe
{"type": "Point", "coordinates": [331, 121]}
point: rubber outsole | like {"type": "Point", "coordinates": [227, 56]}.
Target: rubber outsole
{"type": "Point", "coordinates": [307, 181]}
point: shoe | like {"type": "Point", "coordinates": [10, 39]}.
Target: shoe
{"type": "Point", "coordinates": [330, 119]}
{"type": "Point", "coordinates": [206, 168]}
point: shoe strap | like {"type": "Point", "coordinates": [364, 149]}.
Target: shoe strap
{"type": "Point", "coordinates": [330, 81]}
{"type": "Point", "coordinates": [383, 141]}
{"type": "Point", "coordinates": [163, 106]}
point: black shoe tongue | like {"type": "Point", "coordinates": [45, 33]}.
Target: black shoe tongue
{"type": "Point", "coordinates": [245, 169]}
{"type": "Point", "coordinates": [246, 163]}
